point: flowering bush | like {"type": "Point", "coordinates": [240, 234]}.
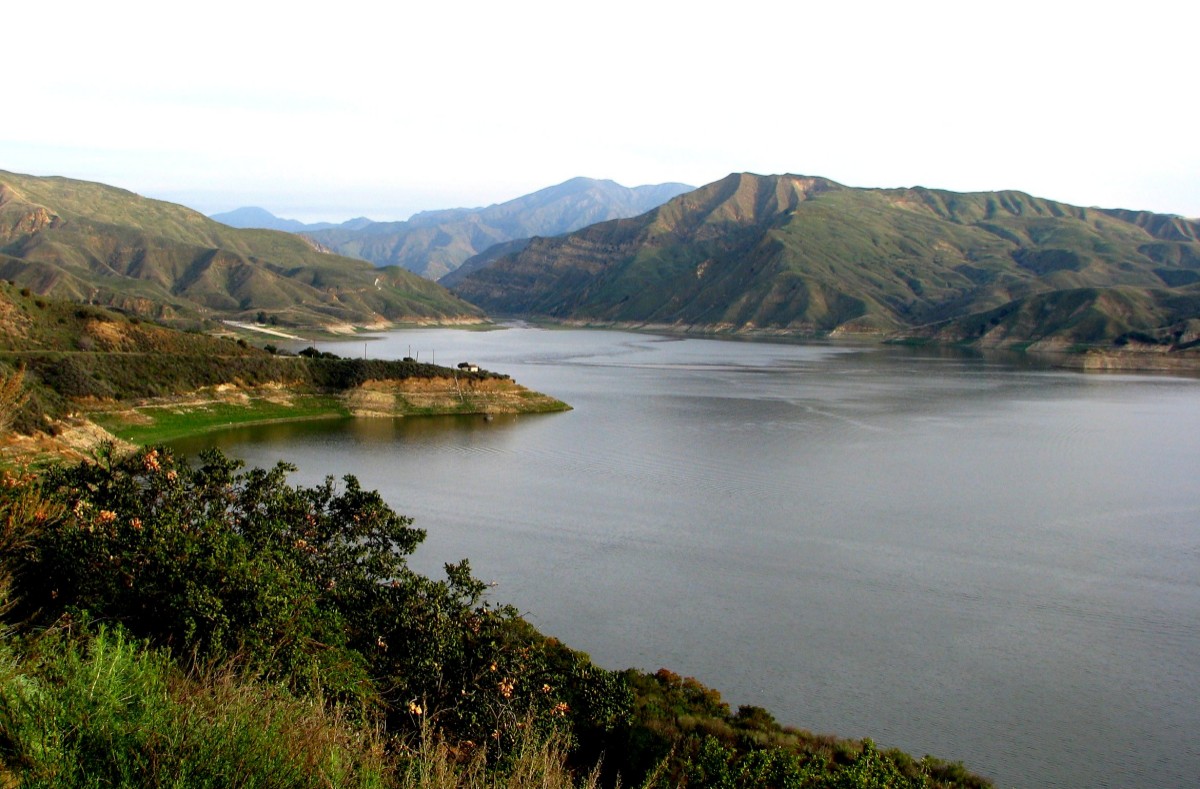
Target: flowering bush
{"type": "Point", "coordinates": [307, 585]}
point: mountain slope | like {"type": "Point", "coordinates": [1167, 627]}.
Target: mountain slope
{"type": "Point", "coordinates": [434, 243]}
{"type": "Point", "coordinates": [807, 255]}
{"type": "Point", "coordinates": [483, 260]}
{"type": "Point", "coordinates": [91, 242]}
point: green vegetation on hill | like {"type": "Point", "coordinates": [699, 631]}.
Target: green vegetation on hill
{"type": "Point", "coordinates": [90, 242]}
{"type": "Point", "coordinates": [171, 624]}
{"type": "Point", "coordinates": [791, 254]}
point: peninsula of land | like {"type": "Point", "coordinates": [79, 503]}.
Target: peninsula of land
{"type": "Point", "coordinates": [82, 375]}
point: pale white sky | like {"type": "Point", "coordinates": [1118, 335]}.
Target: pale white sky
{"type": "Point", "coordinates": [323, 111]}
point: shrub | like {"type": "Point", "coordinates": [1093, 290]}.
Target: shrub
{"type": "Point", "coordinates": [219, 563]}
{"type": "Point", "coordinates": [24, 511]}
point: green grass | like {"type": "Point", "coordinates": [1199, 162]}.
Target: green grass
{"type": "Point", "coordinates": [155, 424]}
{"type": "Point", "coordinates": [169, 422]}
{"type": "Point", "coordinates": [107, 712]}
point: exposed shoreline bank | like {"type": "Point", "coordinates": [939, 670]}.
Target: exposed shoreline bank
{"type": "Point", "coordinates": [212, 409]}
{"type": "Point", "coordinates": [216, 409]}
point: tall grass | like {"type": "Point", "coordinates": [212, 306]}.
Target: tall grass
{"type": "Point", "coordinates": [535, 762]}
{"type": "Point", "coordinates": [105, 711]}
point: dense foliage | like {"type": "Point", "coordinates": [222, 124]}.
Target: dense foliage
{"type": "Point", "coordinates": [163, 607]}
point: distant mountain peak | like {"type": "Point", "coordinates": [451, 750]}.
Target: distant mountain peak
{"type": "Point", "coordinates": [434, 243]}
{"type": "Point", "coordinates": [255, 217]}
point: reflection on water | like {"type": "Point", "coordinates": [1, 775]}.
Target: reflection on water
{"type": "Point", "coordinates": [957, 554]}
{"type": "Point", "coordinates": [376, 432]}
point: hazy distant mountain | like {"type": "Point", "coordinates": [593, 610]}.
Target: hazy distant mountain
{"type": "Point", "coordinates": [433, 243]}
{"type": "Point", "coordinates": [251, 217]}
{"type": "Point", "coordinates": [807, 255]}
{"type": "Point", "coordinates": [90, 242]}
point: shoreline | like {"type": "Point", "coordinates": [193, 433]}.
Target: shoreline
{"type": "Point", "coordinates": [172, 418]}
{"type": "Point", "coordinates": [1126, 359]}
{"type": "Point", "coordinates": [211, 410]}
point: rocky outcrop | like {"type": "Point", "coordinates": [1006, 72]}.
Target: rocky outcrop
{"type": "Point", "coordinates": [19, 218]}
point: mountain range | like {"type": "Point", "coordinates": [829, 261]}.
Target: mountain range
{"type": "Point", "coordinates": [434, 243]}
{"type": "Point", "coordinates": [90, 242]}
{"type": "Point", "coordinates": [806, 255]}
{"type": "Point", "coordinates": [780, 254]}
{"type": "Point", "coordinates": [253, 217]}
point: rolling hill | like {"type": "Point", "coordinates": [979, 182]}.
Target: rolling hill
{"type": "Point", "coordinates": [434, 243]}
{"type": "Point", "coordinates": [805, 255]}
{"type": "Point", "coordinates": [90, 242]}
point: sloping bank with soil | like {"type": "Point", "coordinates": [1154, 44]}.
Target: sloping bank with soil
{"type": "Point", "coordinates": [447, 395]}
{"type": "Point", "coordinates": [160, 419]}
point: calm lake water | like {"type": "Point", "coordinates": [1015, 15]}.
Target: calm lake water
{"type": "Point", "coordinates": [969, 557]}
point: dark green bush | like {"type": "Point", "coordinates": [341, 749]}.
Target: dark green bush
{"type": "Point", "coordinates": [306, 585]}
{"type": "Point", "coordinates": [217, 563]}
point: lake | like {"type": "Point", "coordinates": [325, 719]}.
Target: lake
{"type": "Point", "coordinates": [972, 556]}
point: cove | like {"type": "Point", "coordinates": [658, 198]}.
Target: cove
{"type": "Point", "coordinates": [971, 556]}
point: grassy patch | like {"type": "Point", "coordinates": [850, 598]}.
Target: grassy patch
{"type": "Point", "coordinates": [108, 712]}
{"type": "Point", "coordinates": [154, 424]}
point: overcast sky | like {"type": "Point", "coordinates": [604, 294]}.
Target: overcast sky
{"type": "Point", "coordinates": [333, 110]}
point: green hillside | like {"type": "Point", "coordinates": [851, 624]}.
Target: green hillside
{"type": "Point", "coordinates": [801, 255]}
{"type": "Point", "coordinates": [90, 242]}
